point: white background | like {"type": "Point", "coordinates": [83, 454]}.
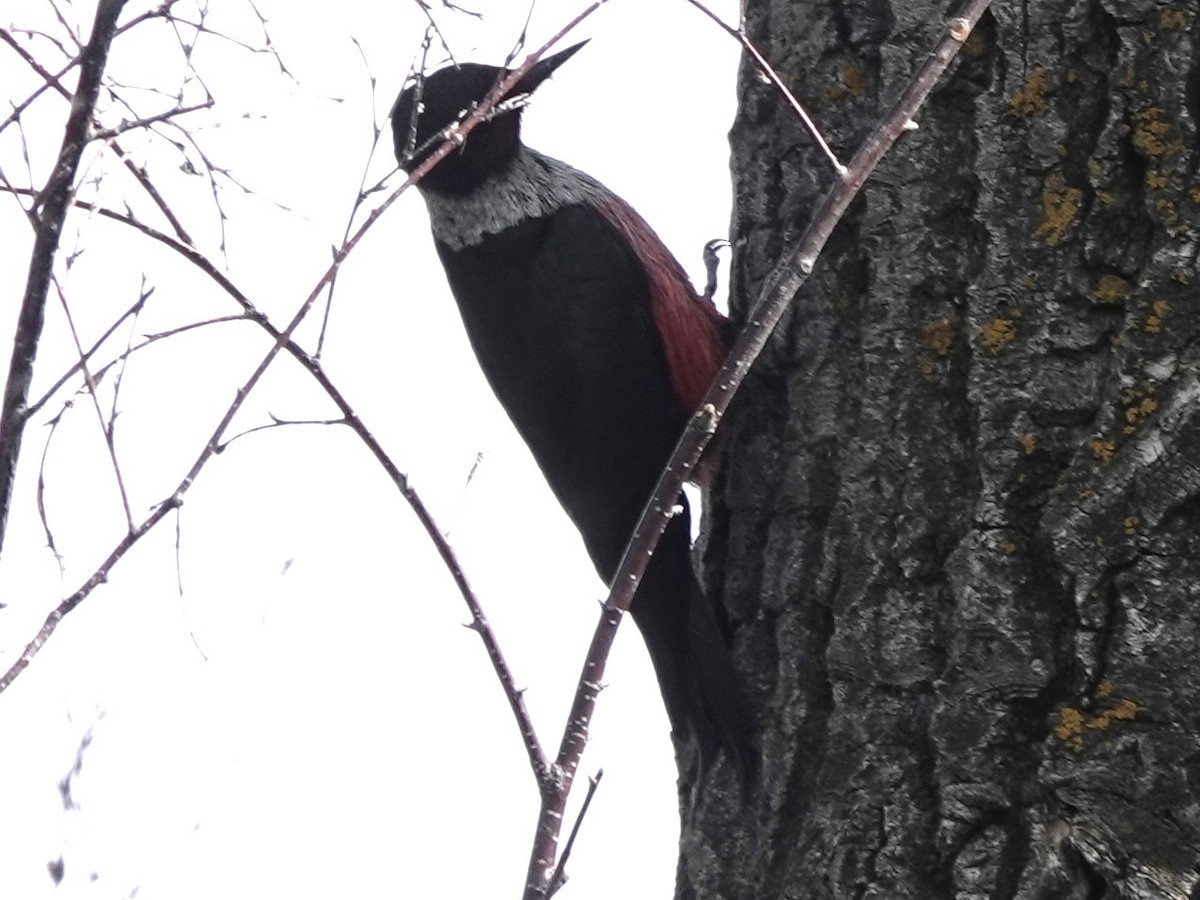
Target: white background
{"type": "Point", "coordinates": [309, 717]}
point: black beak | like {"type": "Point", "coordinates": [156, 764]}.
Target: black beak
{"type": "Point", "coordinates": [544, 68]}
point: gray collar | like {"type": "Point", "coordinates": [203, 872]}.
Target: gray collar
{"type": "Point", "coordinates": [531, 187]}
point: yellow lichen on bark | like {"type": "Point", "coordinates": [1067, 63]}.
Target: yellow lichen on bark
{"type": "Point", "coordinates": [997, 335]}
{"type": "Point", "coordinates": [1152, 134]}
{"type": "Point", "coordinates": [1102, 450]}
{"type": "Point", "coordinates": [1070, 727]}
{"type": "Point", "coordinates": [1125, 710]}
{"type": "Point", "coordinates": [1030, 98]}
{"type": "Point", "coordinates": [1158, 313]}
{"type": "Point", "coordinates": [938, 336]}
{"type": "Point", "coordinates": [1060, 209]}
{"type": "Point", "coordinates": [1138, 404]}
{"type": "Point", "coordinates": [1073, 724]}
{"type": "Point", "coordinates": [1111, 289]}
{"type": "Point", "coordinates": [1172, 19]}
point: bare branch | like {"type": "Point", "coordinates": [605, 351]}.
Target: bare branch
{"type": "Point", "coordinates": [560, 873]}
{"type": "Point", "coordinates": [546, 778]}
{"type": "Point", "coordinates": [20, 192]}
{"type": "Point", "coordinates": [283, 339]}
{"type": "Point", "coordinates": [434, 29]}
{"type": "Point", "coordinates": [129, 350]}
{"type": "Point", "coordinates": [359, 198]}
{"type": "Point", "coordinates": [267, 46]}
{"type": "Point", "coordinates": [66, 26]}
{"type": "Point", "coordinates": [41, 494]}
{"type": "Point", "coordinates": [277, 422]}
{"type": "Point", "coordinates": [123, 364]}
{"type": "Point", "coordinates": [48, 80]}
{"type": "Point", "coordinates": [52, 80]}
{"type": "Point", "coordinates": [105, 427]}
{"type": "Point", "coordinates": [454, 7]}
{"type": "Point", "coordinates": [768, 72]}
{"type": "Point", "coordinates": [546, 773]}
{"type": "Point", "coordinates": [51, 210]}
{"type": "Point", "coordinates": [110, 133]}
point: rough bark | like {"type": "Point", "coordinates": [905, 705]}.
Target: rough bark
{"type": "Point", "coordinates": [957, 532]}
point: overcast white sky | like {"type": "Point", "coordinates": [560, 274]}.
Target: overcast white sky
{"type": "Point", "coordinates": [310, 718]}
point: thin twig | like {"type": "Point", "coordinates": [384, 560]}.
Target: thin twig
{"type": "Point", "coordinates": [105, 427]}
{"type": "Point", "coordinates": [277, 422]}
{"type": "Point", "coordinates": [461, 10]}
{"type": "Point", "coordinates": [66, 26]}
{"type": "Point", "coordinates": [16, 193]}
{"type": "Point", "coordinates": [538, 762]}
{"type": "Point", "coordinates": [360, 197]}
{"type": "Point", "coordinates": [435, 29]}
{"type": "Point", "coordinates": [137, 171]}
{"type": "Point", "coordinates": [109, 133]}
{"type": "Point", "coordinates": [119, 379]}
{"type": "Point", "coordinates": [560, 872]}
{"type": "Point", "coordinates": [760, 62]}
{"type": "Point", "coordinates": [179, 583]}
{"type": "Point", "coordinates": [41, 494]}
{"type": "Point", "coordinates": [49, 79]}
{"type": "Point", "coordinates": [522, 36]}
{"type": "Point", "coordinates": [126, 353]}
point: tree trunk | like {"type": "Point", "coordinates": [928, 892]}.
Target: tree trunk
{"type": "Point", "coordinates": [957, 533]}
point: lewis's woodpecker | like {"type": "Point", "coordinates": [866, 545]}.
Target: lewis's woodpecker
{"type": "Point", "coordinates": [599, 349]}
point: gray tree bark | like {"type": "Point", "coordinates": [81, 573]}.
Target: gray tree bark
{"type": "Point", "coordinates": [957, 530]}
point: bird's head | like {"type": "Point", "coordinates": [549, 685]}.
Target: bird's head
{"type": "Point", "coordinates": [429, 104]}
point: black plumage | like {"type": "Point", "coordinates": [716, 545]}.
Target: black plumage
{"type": "Point", "coordinates": [589, 333]}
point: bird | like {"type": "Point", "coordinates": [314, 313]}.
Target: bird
{"type": "Point", "coordinates": [594, 341]}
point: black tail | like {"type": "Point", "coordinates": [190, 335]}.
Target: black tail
{"type": "Point", "coordinates": [700, 688]}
